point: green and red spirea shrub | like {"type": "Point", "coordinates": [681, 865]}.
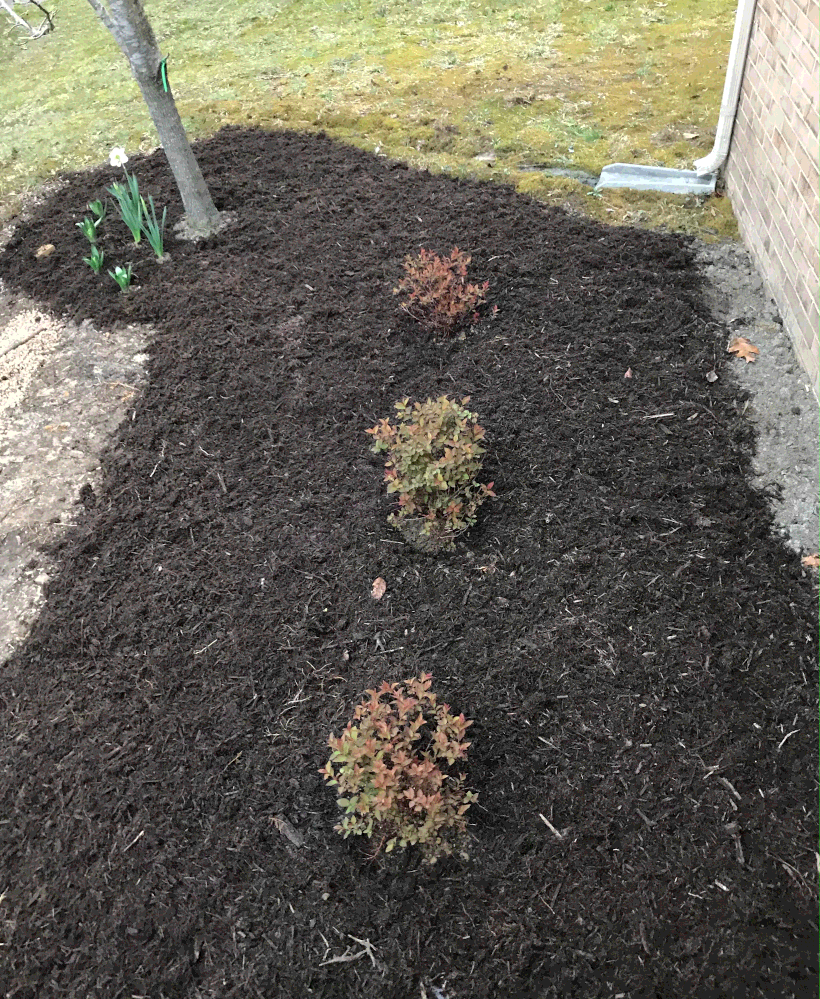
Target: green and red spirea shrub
{"type": "Point", "coordinates": [395, 771]}
{"type": "Point", "coordinates": [434, 454]}
{"type": "Point", "coordinates": [437, 293]}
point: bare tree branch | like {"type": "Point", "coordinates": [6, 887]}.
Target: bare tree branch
{"type": "Point", "coordinates": [45, 27]}
{"type": "Point", "coordinates": [45, 13]}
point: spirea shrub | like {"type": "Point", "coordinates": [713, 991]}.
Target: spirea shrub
{"type": "Point", "coordinates": [434, 453]}
{"type": "Point", "coordinates": [395, 771]}
{"type": "Point", "coordinates": [436, 291]}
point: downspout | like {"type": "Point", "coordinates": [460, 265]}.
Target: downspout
{"type": "Point", "coordinates": [731, 90]}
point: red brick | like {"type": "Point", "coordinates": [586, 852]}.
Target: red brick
{"type": "Point", "coordinates": [805, 347]}
{"type": "Point", "coordinates": [754, 76]}
{"type": "Point", "coordinates": [806, 195]}
{"type": "Point", "coordinates": [799, 327]}
{"type": "Point", "coordinates": [788, 196]}
{"type": "Point", "coordinates": [806, 228]}
{"type": "Point", "coordinates": [760, 106]}
{"type": "Point", "coordinates": [737, 167]}
{"type": "Point", "coordinates": [807, 29]}
{"type": "Point", "coordinates": [763, 10]}
{"type": "Point", "coordinates": [804, 106]}
{"type": "Point", "coordinates": [784, 238]}
{"type": "Point", "coordinates": [784, 51]}
{"type": "Point", "coordinates": [763, 215]}
{"type": "Point", "coordinates": [787, 132]}
{"type": "Point", "coordinates": [801, 334]}
{"type": "Point", "coordinates": [767, 62]}
{"type": "Point", "coordinates": [787, 294]}
{"type": "Point", "coordinates": [743, 123]}
{"type": "Point", "coordinates": [749, 178]}
{"type": "Point", "coordinates": [794, 303]}
{"type": "Point", "coordinates": [807, 57]}
{"type": "Point", "coordinates": [754, 160]}
{"type": "Point", "coordinates": [814, 321]}
{"type": "Point", "coordinates": [767, 180]}
{"type": "Point", "coordinates": [806, 162]}
{"type": "Point", "coordinates": [748, 151]}
{"type": "Point", "coordinates": [807, 25]}
{"type": "Point", "coordinates": [803, 241]}
{"type": "Point", "coordinates": [811, 228]}
{"type": "Point", "coordinates": [765, 27]}
{"type": "Point", "coordinates": [801, 302]}
{"type": "Point", "coordinates": [797, 263]}
{"type": "Point", "coordinates": [777, 116]}
{"type": "Point", "coordinates": [811, 330]}
{"type": "Point", "coordinates": [813, 126]}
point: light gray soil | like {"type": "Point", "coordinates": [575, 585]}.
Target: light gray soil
{"type": "Point", "coordinates": [782, 406]}
{"type": "Point", "coordinates": [74, 396]}
{"type": "Point", "coordinates": [66, 388]}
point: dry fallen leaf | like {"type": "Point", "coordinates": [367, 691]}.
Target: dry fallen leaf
{"type": "Point", "coordinates": [742, 348]}
{"type": "Point", "coordinates": [287, 830]}
{"type": "Point", "coordinates": [812, 561]}
{"type": "Point", "coordinates": [45, 250]}
{"type": "Point", "coordinates": [379, 588]}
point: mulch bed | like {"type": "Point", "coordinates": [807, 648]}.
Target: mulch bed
{"type": "Point", "coordinates": [637, 649]}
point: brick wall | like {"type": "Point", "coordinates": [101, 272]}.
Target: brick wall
{"type": "Point", "coordinates": [772, 170]}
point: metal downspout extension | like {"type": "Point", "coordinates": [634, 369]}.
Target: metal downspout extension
{"type": "Point", "coordinates": [702, 180]}
{"type": "Point", "coordinates": [731, 89]}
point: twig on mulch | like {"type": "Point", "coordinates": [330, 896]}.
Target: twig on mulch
{"type": "Point", "coordinates": [793, 873]}
{"type": "Point", "coordinates": [136, 839]}
{"type": "Point", "coordinates": [733, 828]}
{"type": "Point", "coordinates": [550, 826]}
{"type": "Point", "coordinates": [367, 951]}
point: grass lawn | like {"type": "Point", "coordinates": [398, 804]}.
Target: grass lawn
{"type": "Point", "coordinates": [567, 85]}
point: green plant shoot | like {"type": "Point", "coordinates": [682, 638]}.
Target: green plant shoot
{"type": "Point", "coordinates": [129, 203]}
{"type": "Point", "coordinates": [99, 209]}
{"type": "Point", "coordinates": [154, 230]}
{"type": "Point", "coordinates": [123, 276]}
{"type": "Point", "coordinates": [89, 229]}
{"type": "Point", "coordinates": [95, 260]}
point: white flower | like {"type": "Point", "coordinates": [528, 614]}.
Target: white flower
{"type": "Point", "coordinates": [117, 156]}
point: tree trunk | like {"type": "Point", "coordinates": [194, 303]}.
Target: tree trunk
{"type": "Point", "coordinates": [126, 21]}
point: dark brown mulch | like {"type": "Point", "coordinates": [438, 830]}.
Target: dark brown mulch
{"type": "Point", "coordinates": [637, 649]}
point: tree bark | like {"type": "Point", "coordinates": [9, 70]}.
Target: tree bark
{"type": "Point", "coordinates": [126, 21]}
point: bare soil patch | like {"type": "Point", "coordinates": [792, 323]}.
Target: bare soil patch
{"type": "Point", "coordinates": [636, 645]}
{"type": "Point", "coordinates": [64, 389]}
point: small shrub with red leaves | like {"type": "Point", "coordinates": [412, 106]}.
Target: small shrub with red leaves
{"type": "Point", "coordinates": [394, 768]}
{"type": "Point", "coordinates": [436, 291]}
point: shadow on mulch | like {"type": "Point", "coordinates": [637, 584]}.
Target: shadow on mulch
{"type": "Point", "coordinates": [637, 649]}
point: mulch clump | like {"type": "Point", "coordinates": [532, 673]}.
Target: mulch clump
{"type": "Point", "coordinates": [636, 647]}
